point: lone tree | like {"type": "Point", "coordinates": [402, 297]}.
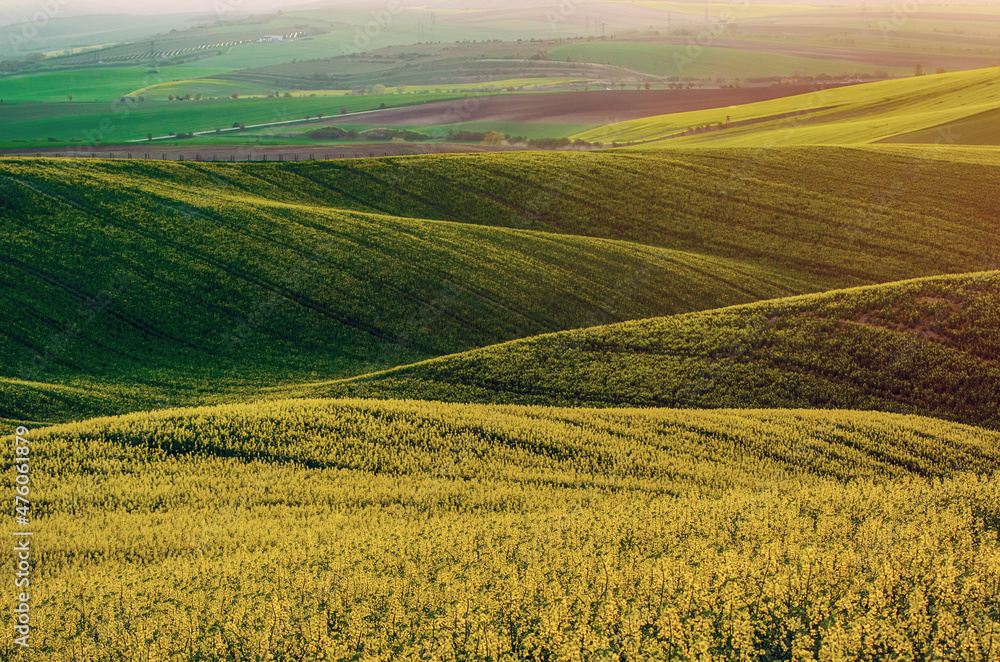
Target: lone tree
{"type": "Point", "coordinates": [234, 95]}
{"type": "Point", "coordinates": [919, 70]}
{"type": "Point", "coordinates": [70, 97]}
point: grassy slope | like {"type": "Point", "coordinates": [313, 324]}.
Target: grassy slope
{"type": "Point", "coordinates": [295, 527]}
{"type": "Point", "coordinates": [241, 295]}
{"type": "Point", "coordinates": [839, 217]}
{"type": "Point", "coordinates": [928, 346]}
{"type": "Point", "coordinates": [981, 129]}
{"type": "Point", "coordinates": [674, 60]}
{"type": "Point", "coordinates": [838, 116]}
{"type": "Point", "coordinates": [96, 84]}
{"type": "Point", "coordinates": [204, 282]}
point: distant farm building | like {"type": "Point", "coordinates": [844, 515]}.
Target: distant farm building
{"type": "Point", "coordinates": [269, 38]}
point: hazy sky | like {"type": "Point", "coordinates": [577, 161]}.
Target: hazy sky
{"type": "Point", "coordinates": [17, 11]}
{"type": "Point", "coordinates": [141, 6]}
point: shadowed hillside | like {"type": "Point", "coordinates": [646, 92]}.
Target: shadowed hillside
{"type": "Point", "coordinates": [131, 291]}
{"type": "Point", "coordinates": [928, 346]}
{"type": "Point", "coordinates": [142, 285]}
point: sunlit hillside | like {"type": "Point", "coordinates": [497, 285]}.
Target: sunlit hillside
{"type": "Point", "coordinates": [832, 115]}
{"type": "Point", "coordinates": [928, 346]}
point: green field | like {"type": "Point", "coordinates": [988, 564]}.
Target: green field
{"type": "Point", "coordinates": [980, 129]}
{"type": "Point", "coordinates": [858, 114]}
{"type": "Point", "coordinates": [428, 67]}
{"type": "Point", "coordinates": [262, 286]}
{"type": "Point", "coordinates": [102, 85]}
{"type": "Point", "coordinates": [770, 207]}
{"type": "Point", "coordinates": [735, 400]}
{"type": "Point", "coordinates": [222, 86]}
{"type": "Point", "coordinates": [259, 287]}
{"type": "Point", "coordinates": [675, 60]}
{"type": "Point", "coordinates": [115, 123]}
{"type": "Point", "coordinates": [926, 347]}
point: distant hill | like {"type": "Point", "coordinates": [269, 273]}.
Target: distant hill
{"type": "Point", "coordinates": [835, 216]}
{"type": "Point", "coordinates": [950, 106]}
{"type": "Point", "coordinates": [929, 347]}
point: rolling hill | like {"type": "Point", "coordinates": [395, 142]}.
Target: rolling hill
{"type": "Point", "coordinates": [928, 346]}
{"type": "Point", "coordinates": [856, 114]}
{"type": "Point", "coordinates": [194, 282]}
{"type": "Point", "coordinates": [840, 216]}
{"type": "Point", "coordinates": [684, 404]}
{"type": "Point", "coordinates": [464, 531]}
{"type": "Point", "coordinates": [208, 282]}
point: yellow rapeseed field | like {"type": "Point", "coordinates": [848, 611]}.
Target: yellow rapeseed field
{"type": "Point", "coordinates": [401, 530]}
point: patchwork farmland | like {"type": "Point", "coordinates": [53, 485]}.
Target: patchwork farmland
{"type": "Point", "coordinates": [602, 331]}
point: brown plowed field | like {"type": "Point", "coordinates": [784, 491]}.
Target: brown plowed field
{"type": "Point", "coordinates": [594, 107]}
{"type": "Point", "coordinates": [588, 108]}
